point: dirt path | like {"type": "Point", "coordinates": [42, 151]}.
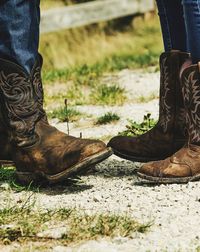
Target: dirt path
{"type": "Point", "coordinates": [173, 210]}
{"type": "Point", "coordinates": [139, 85]}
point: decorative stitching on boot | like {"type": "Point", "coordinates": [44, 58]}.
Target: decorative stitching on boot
{"type": "Point", "coordinates": [191, 94]}
{"type": "Point", "coordinates": [165, 109]}
{"type": "Point", "coordinates": [37, 85]}
{"type": "Point", "coordinates": [19, 107]}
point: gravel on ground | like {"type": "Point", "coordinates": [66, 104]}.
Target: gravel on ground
{"type": "Point", "coordinates": [113, 187]}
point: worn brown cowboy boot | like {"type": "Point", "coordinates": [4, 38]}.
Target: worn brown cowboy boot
{"type": "Point", "coordinates": [184, 165]}
{"type": "Point", "coordinates": [39, 150]}
{"type": "Point", "coordinates": [169, 133]}
{"type": "Point", "coordinates": [5, 146]}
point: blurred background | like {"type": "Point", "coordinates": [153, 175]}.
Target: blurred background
{"type": "Point", "coordinates": [123, 37]}
{"type": "Point", "coordinates": [76, 60]}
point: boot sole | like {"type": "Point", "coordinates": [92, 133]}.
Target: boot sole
{"type": "Point", "coordinates": [137, 159]}
{"type": "Point", "coordinates": [38, 177]}
{"type": "Point", "coordinates": [160, 180]}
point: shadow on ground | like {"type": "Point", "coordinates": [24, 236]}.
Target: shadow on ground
{"type": "Point", "coordinates": [110, 168]}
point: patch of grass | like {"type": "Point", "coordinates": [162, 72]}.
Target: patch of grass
{"type": "Point", "coordinates": [56, 75]}
{"type": "Point", "coordinates": [119, 62]}
{"type": "Point", "coordinates": [143, 99]}
{"type": "Point", "coordinates": [77, 95]}
{"type": "Point", "coordinates": [12, 227]}
{"type": "Point", "coordinates": [65, 114]}
{"type": "Point", "coordinates": [84, 74]}
{"type": "Point", "coordinates": [8, 181]}
{"type": "Point", "coordinates": [88, 73]}
{"type": "Point", "coordinates": [107, 118]}
{"type": "Point", "coordinates": [54, 96]}
{"type": "Point", "coordinates": [135, 129]}
{"type": "Point", "coordinates": [7, 174]}
{"type": "Point", "coordinates": [108, 95]}
{"type": "Point", "coordinates": [81, 226]}
{"type": "Point", "coordinates": [100, 94]}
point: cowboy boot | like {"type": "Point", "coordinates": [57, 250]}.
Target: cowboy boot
{"type": "Point", "coordinates": [184, 165]}
{"type": "Point", "coordinates": [5, 147]}
{"type": "Point", "coordinates": [39, 150]}
{"type": "Point", "coordinates": [168, 135]}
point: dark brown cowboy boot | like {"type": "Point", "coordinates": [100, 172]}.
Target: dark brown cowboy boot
{"type": "Point", "coordinates": [169, 133]}
{"type": "Point", "coordinates": [39, 150]}
{"type": "Point", "coordinates": [184, 165]}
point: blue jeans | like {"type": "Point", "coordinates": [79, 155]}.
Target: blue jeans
{"type": "Point", "coordinates": [180, 24]}
{"type": "Point", "coordinates": [19, 31]}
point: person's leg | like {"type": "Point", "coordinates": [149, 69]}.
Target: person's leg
{"type": "Point", "coordinates": [19, 31]}
{"type": "Point", "coordinates": [192, 21]}
{"type": "Point", "coordinates": [172, 24]}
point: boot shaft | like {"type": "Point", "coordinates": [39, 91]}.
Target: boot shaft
{"type": "Point", "coordinates": [171, 114]}
{"type": "Point", "coordinates": [38, 88]}
{"type": "Point", "coordinates": [190, 80]}
{"type": "Point", "coordinates": [21, 98]}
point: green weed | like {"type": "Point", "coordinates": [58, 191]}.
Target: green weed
{"type": "Point", "coordinates": [8, 181]}
{"type": "Point", "coordinates": [107, 118]}
{"type": "Point", "coordinates": [135, 129]}
{"type": "Point", "coordinates": [65, 114]}
{"type": "Point", "coordinates": [109, 95]}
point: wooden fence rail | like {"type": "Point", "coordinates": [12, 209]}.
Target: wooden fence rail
{"type": "Point", "coordinates": [91, 12]}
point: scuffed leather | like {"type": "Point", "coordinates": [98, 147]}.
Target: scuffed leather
{"type": "Point", "coordinates": [169, 133]}
{"type": "Point", "coordinates": [35, 146]}
{"type": "Point", "coordinates": [185, 162]}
